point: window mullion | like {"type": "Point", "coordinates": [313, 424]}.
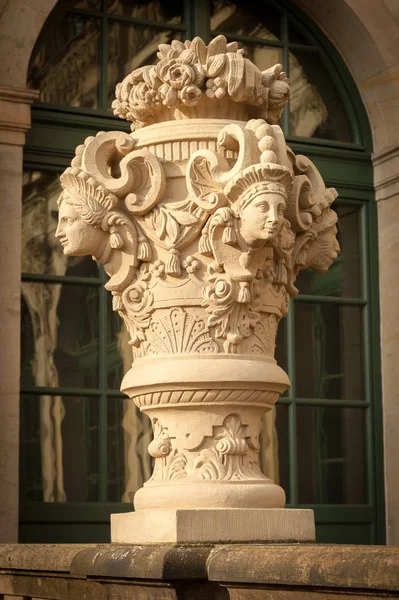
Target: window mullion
{"type": "Point", "coordinates": [199, 19]}
{"type": "Point", "coordinates": [285, 119]}
{"type": "Point", "coordinates": [103, 100]}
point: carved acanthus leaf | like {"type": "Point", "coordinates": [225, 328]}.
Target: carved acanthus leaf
{"type": "Point", "coordinates": [136, 306]}
{"type": "Point", "coordinates": [232, 307]}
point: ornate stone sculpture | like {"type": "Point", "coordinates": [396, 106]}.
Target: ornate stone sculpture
{"type": "Point", "coordinates": [202, 218]}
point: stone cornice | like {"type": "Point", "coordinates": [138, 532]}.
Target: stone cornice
{"type": "Point", "coordinates": [15, 118]}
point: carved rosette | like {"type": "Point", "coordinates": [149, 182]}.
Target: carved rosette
{"type": "Point", "coordinates": [202, 218]}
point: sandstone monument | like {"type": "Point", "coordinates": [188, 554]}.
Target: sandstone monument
{"type": "Point", "coordinates": [202, 217]}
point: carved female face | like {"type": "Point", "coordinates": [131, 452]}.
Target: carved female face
{"type": "Point", "coordinates": [77, 237]}
{"type": "Point", "coordinates": [262, 218]}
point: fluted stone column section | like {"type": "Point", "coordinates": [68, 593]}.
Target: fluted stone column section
{"type": "Point", "coordinates": [202, 217]}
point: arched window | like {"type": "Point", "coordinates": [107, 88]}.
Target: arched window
{"type": "Point", "coordinates": [83, 445]}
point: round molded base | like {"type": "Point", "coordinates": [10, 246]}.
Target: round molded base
{"type": "Point", "coordinates": [218, 494]}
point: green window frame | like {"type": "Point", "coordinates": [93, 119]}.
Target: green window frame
{"type": "Point", "coordinates": [50, 145]}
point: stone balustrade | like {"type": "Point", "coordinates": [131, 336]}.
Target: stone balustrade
{"type": "Point", "coordinates": [194, 572]}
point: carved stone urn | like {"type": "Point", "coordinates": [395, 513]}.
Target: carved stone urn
{"type": "Point", "coordinates": [202, 218]}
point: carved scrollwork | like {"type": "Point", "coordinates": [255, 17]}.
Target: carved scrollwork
{"type": "Point", "coordinates": [161, 445]}
{"type": "Point", "coordinates": [232, 455]}
{"type": "Point", "coordinates": [170, 463]}
{"type": "Point", "coordinates": [208, 171]}
{"type": "Point", "coordinates": [135, 175]}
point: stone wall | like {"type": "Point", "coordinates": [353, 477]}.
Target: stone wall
{"type": "Point", "coordinates": [252, 572]}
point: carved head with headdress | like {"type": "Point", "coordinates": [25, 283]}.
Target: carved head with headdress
{"type": "Point", "coordinates": [91, 223]}
{"type": "Point", "coordinates": [84, 210]}
{"type": "Point", "coordinates": [323, 250]}
{"type": "Point", "coordinates": [259, 197]}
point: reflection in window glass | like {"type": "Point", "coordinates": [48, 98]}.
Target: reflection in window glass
{"type": "Point", "coordinates": [129, 465]}
{"type": "Point", "coordinates": [41, 251]}
{"type": "Point", "coordinates": [246, 18]}
{"type": "Point", "coordinates": [264, 57]}
{"type": "Point", "coordinates": [343, 278]}
{"type": "Point", "coordinates": [274, 446]}
{"type": "Point", "coordinates": [119, 352]}
{"type": "Point", "coordinates": [130, 47]}
{"type": "Point", "coordinates": [59, 449]}
{"type": "Point", "coordinates": [331, 450]}
{"type": "Point", "coordinates": [167, 11]}
{"type": "Point", "coordinates": [329, 351]}
{"type": "Point", "coordinates": [316, 109]}
{"type": "Point", "coordinates": [59, 335]}
{"type": "Point", "coordinates": [65, 65]}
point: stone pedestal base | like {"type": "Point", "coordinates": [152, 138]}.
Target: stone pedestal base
{"type": "Point", "coordinates": [213, 525]}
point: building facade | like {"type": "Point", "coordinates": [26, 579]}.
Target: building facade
{"type": "Point", "coordinates": [75, 449]}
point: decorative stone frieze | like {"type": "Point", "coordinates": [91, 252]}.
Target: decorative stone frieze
{"type": "Point", "coordinates": [202, 218]}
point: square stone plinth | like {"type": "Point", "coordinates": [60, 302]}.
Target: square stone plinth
{"type": "Point", "coordinates": [213, 525]}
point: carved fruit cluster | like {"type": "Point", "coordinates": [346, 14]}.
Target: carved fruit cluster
{"type": "Point", "coordinates": [190, 71]}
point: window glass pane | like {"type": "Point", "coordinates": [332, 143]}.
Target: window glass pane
{"type": "Point", "coordinates": [264, 57]}
{"type": "Point", "coordinates": [130, 47]}
{"type": "Point", "coordinates": [295, 36]}
{"type": "Point", "coordinates": [329, 351]}
{"type": "Point", "coordinates": [129, 465]}
{"type": "Point", "coordinates": [167, 11]}
{"type": "Point", "coordinates": [119, 352]}
{"type": "Point", "coordinates": [344, 276]}
{"type": "Point", "coordinates": [316, 109]}
{"type": "Point", "coordinates": [246, 18]}
{"type": "Point", "coordinates": [331, 451]}
{"type": "Point", "coordinates": [274, 446]}
{"type": "Point", "coordinates": [41, 251]}
{"type": "Point", "coordinates": [65, 62]}
{"type": "Point", "coordinates": [281, 345]}
{"type": "Point", "coordinates": [59, 335]}
{"type": "Point", "coordinates": [59, 449]}
{"type": "Point", "coordinates": [86, 4]}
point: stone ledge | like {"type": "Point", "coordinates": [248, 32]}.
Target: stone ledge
{"type": "Point", "coordinates": [359, 567]}
{"type": "Point", "coordinates": [143, 562]}
{"type": "Point", "coordinates": [265, 571]}
{"type": "Point", "coordinates": [41, 557]}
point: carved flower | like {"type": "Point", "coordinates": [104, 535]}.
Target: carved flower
{"type": "Point", "coordinates": [268, 273]}
{"type": "Point", "coordinates": [144, 94]}
{"type": "Point", "coordinates": [176, 74]}
{"type": "Point", "coordinates": [168, 95]}
{"type": "Point", "coordinates": [191, 264]}
{"type": "Point", "coordinates": [158, 268]}
{"type": "Point", "coordinates": [190, 95]}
